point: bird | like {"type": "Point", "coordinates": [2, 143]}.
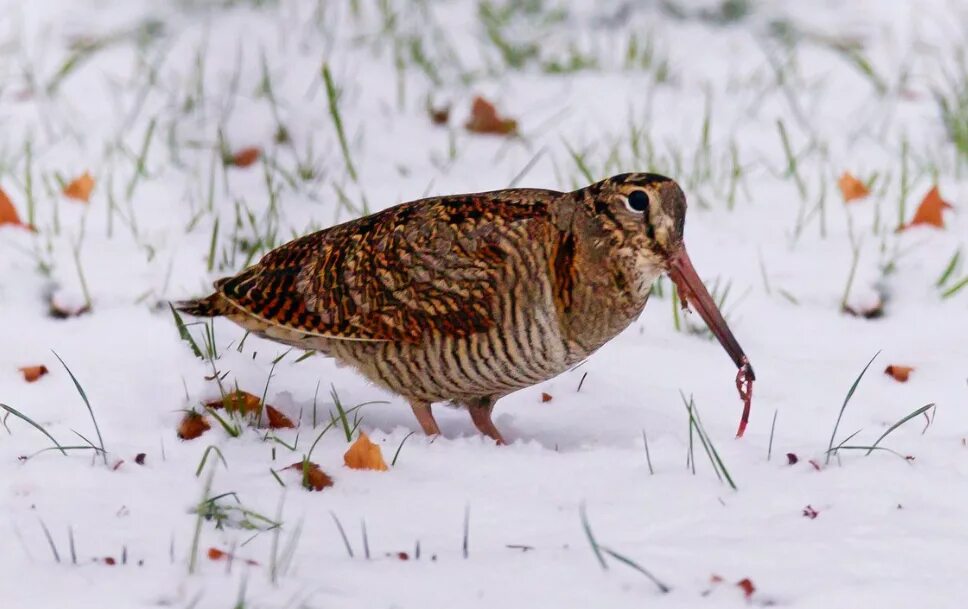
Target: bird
{"type": "Point", "coordinates": [464, 299]}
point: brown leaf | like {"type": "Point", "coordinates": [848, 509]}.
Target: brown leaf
{"type": "Point", "coordinates": [484, 119]}
{"type": "Point", "coordinates": [245, 157]}
{"type": "Point", "coordinates": [314, 478]}
{"type": "Point", "coordinates": [809, 512]}
{"type": "Point", "coordinates": [277, 420]}
{"type": "Point", "coordinates": [80, 188]}
{"type": "Point", "coordinates": [929, 211]}
{"type": "Point", "coordinates": [32, 373]}
{"type": "Point", "coordinates": [8, 213]}
{"type": "Point", "coordinates": [237, 401]}
{"type": "Point", "coordinates": [546, 397]}
{"type": "Point", "coordinates": [746, 585]}
{"type": "Point", "coordinates": [875, 311]}
{"type": "Point", "coordinates": [192, 425]}
{"type": "Point", "coordinates": [792, 458]}
{"type": "Point", "coordinates": [140, 458]}
{"type": "Point", "coordinates": [62, 310]}
{"type": "Point", "coordinates": [364, 454]}
{"type": "Point", "coordinates": [852, 188]}
{"type": "Point", "coordinates": [901, 374]}
{"type": "Point", "coordinates": [438, 116]}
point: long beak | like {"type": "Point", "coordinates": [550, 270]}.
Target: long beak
{"type": "Point", "coordinates": [692, 291]}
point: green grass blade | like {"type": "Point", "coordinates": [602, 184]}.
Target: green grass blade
{"type": "Point", "coordinates": [87, 403]}
{"type": "Point", "coordinates": [840, 415]}
{"type": "Point", "coordinates": [36, 425]}
{"type": "Point", "coordinates": [890, 429]}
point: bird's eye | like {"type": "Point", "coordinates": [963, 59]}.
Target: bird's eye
{"type": "Point", "coordinates": [638, 201]}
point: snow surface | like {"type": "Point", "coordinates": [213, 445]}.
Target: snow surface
{"type": "Point", "coordinates": [888, 531]}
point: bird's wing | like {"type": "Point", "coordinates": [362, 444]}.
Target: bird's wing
{"type": "Point", "coordinates": [428, 266]}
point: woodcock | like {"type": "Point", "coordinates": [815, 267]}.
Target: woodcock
{"type": "Point", "coordinates": [468, 298]}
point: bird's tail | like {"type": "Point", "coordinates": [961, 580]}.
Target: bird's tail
{"type": "Point", "coordinates": [210, 306]}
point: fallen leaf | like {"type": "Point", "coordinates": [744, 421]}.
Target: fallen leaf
{"type": "Point", "coordinates": [746, 585]}
{"type": "Point", "coordinates": [216, 554]}
{"type": "Point", "coordinates": [244, 157]}
{"type": "Point", "coordinates": [192, 425]}
{"type": "Point", "coordinates": [364, 454]}
{"type": "Point", "coordinates": [237, 401]}
{"type": "Point", "coordinates": [314, 478]}
{"type": "Point", "coordinates": [438, 116]}
{"type": "Point", "coordinates": [792, 459]}
{"type": "Point", "coordinates": [403, 556]}
{"type": "Point", "coordinates": [109, 560]}
{"type": "Point", "coordinates": [546, 397]}
{"type": "Point", "coordinates": [929, 211]}
{"type": "Point", "coordinates": [814, 464]}
{"type": "Point", "coordinates": [80, 188]}
{"type": "Point", "coordinates": [716, 579]}
{"type": "Point", "coordinates": [852, 188]}
{"type": "Point", "coordinates": [277, 420]}
{"type": "Point", "coordinates": [809, 512]}
{"type": "Point", "coordinates": [875, 311]}
{"type": "Point", "coordinates": [32, 373]}
{"type": "Point", "coordinates": [60, 307]}
{"type": "Point", "coordinates": [8, 213]}
{"type": "Point", "coordinates": [484, 119]}
{"type": "Point", "coordinates": [901, 374]}
{"type": "Point", "coordinates": [140, 458]}
{"type": "Point", "coordinates": [117, 465]}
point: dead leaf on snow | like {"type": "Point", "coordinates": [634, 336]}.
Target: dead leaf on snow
{"type": "Point", "coordinates": [8, 213]}
{"type": "Point", "coordinates": [484, 119]}
{"type": "Point", "coordinates": [32, 373]}
{"type": "Point", "coordinates": [80, 188]}
{"type": "Point", "coordinates": [930, 212]}
{"type": "Point", "coordinates": [245, 157]}
{"type": "Point", "coordinates": [192, 425]}
{"type": "Point", "coordinates": [277, 420]}
{"type": "Point", "coordinates": [852, 188]}
{"type": "Point", "coordinates": [364, 454]}
{"type": "Point", "coordinates": [900, 374]}
{"type": "Point", "coordinates": [314, 478]}
{"type": "Point", "coordinates": [237, 401]}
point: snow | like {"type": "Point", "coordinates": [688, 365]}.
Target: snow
{"type": "Point", "coordinates": [889, 531]}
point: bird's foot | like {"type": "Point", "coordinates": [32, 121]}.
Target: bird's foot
{"type": "Point", "coordinates": [481, 415]}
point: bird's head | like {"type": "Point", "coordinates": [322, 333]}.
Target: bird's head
{"type": "Point", "coordinates": [645, 214]}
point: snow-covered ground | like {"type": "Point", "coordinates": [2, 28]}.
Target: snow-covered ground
{"type": "Point", "coordinates": [757, 114]}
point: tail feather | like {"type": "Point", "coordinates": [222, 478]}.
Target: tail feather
{"type": "Point", "coordinates": [210, 306]}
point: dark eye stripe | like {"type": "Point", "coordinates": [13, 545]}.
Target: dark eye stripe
{"type": "Point", "coordinates": [639, 201]}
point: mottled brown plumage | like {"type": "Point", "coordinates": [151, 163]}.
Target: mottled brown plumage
{"type": "Point", "coordinates": [467, 298]}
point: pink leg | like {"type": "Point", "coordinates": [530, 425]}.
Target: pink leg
{"type": "Point", "coordinates": [425, 417]}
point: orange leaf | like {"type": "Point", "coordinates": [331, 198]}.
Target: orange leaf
{"type": "Point", "coordinates": [364, 454]}
{"type": "Point", "coordinates": [546, 397]}
{"type": "Point", "coordinates": [277, 420]}
{"type": "Point", "coordinates": [8, 213]}
{"type": "Point", "coordinates": [192, 425]}
{"type": "Point", "coordinates": [851, 187]}
{"type": "Point", "coordinates": [930, 210]}
{"type": "Point", "coordinates": [237, 401]}
{"type": "Point", "coordinates": [314, 478]}
{"type": "Point", "coordinates": [80, 188]}
{"type": "Point", "coordinates": [32, 373]}
{"type": "Point", "coordinates": [216, 554]}
{"type": "Point", "coordinates": [747, 586]}
{"type": "Point", "coordinates": [901, 374]}
{"type": "Point", "coordinates": [245, 157]}
{"type": "Point", "coordinates": [484, 119]}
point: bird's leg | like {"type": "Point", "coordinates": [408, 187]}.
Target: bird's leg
{"type": "Point", "coordinates": [480, 410]}
{"type": "Point", "coordinates": [425, 417]}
